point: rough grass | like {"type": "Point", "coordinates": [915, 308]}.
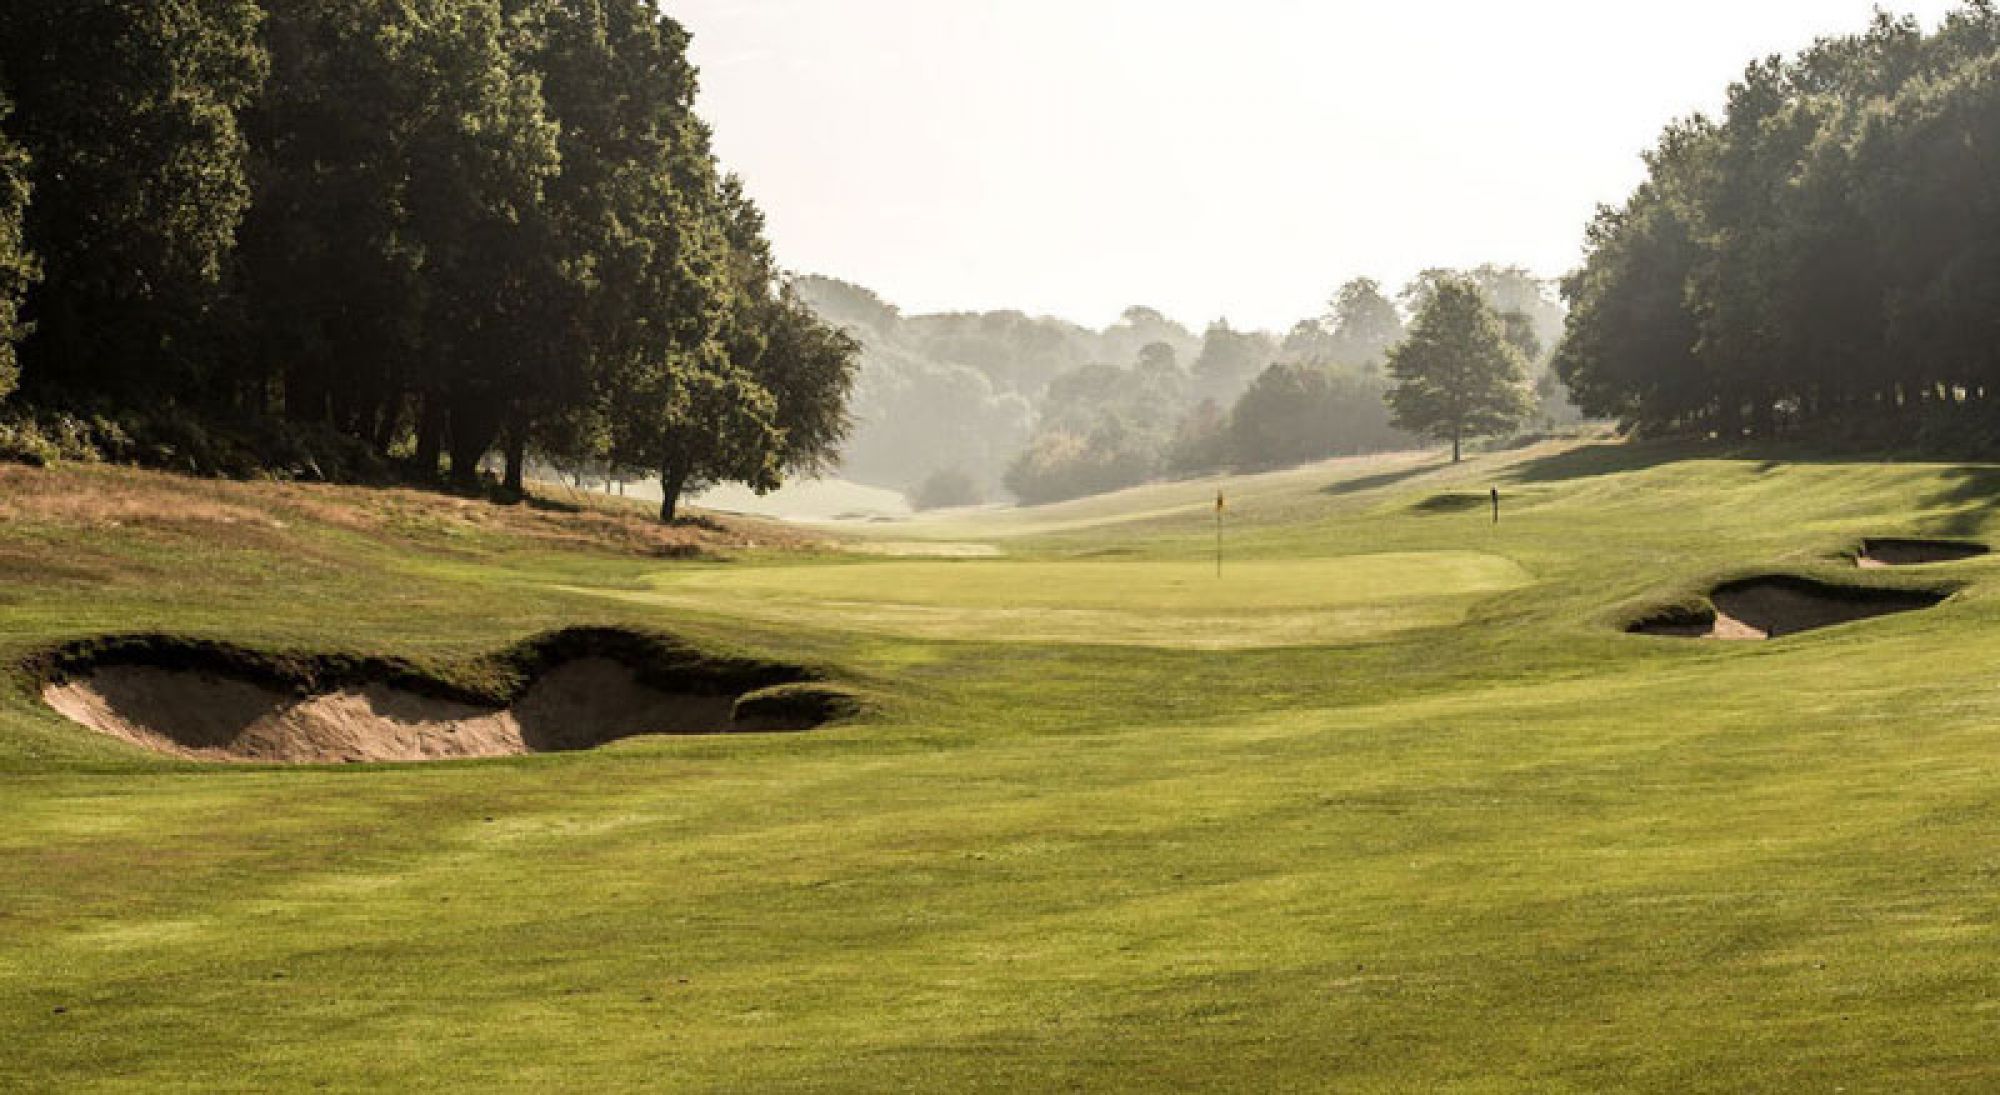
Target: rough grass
{"type": "Point", "coordinates": [1512, 850]}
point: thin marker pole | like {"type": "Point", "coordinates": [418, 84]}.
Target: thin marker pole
{"type": "Point", "coordinates": [1219, 504]}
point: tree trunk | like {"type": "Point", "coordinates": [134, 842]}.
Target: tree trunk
{"type": "Point", "coordinates": [1454, 445]}
{"type": "Point", "coordinates": [387, 421]}
{"type": "Point", "coordinates": [474, 428]}
{"type": "Point", "coordinates": [517, 459]}
{"type": "Point", "coordinates": [672, 482]}
{"type": "Point", "coordinates": [430, 434]}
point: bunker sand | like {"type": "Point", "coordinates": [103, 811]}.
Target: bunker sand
{"type": "Point", "coordinates": [1755, 609]}
{"type": "Point", "coordinates": [203, 716]}
{"type": "Point", "coordinates": [1877, 554]}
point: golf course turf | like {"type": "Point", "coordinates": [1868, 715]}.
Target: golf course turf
{"type": "Point", "coordinates": [1394, 804]}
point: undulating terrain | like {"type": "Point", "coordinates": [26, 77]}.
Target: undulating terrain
{"type": "Point", "coordinates": [1395, 803]}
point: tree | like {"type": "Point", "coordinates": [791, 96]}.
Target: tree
{"type": "Point", "coordinates": [17, 266]}
{"type": "Point", "coordinates": [1456, 376]}
{"type": "Point", "coordinates": [1295, 413]}
{"type": "Point", "coordinates": [945, 488]}
{"type": "Point", "coordinates": [1629, 351]}
{"type": "Point", "coordinates": [1229, 360]}
{"type": "Point", "coordinates": [700, 423]}
{"type": "Point", "coordinates": [1822, 255]}
{"type": "Point", "coordinates": [482, 151]}
{"type": "Point", "coordinates": [1201, 440]}
{"type": "Point", "coordinates": [807, 365]}
{"type": "Point", "coordinates": [128, 112]}
{"type": "Point", "coordinates": [330, 268]}
{"type": "Point", "coordinates": [1363, 323]}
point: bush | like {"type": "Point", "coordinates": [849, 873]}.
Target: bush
{"type": "Point", "coordinates": [1295, 414]}
{"type": "Point", "coordinates": [173, 439]}
{"type": "Point", "coordinates": [52, 439]}
{"type": "Point", "coordinates": [1060, 466]}
{"type": "Point", "coordinates": [945, 488]}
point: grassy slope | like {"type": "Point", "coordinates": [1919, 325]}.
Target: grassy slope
{"type": "Point", "coordinates": [1522, 850]}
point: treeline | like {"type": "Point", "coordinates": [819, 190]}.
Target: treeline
{"type": "Point", "coordinates": [948, 400]}
{"type": "Point", "coordinates": [1249, 401]}
{"type": "Point", "coordinates": [1824, 256]}
{"type": "Point", "coordinates": [959, 408]}
{"type": "Point", "coordinates": [408, 231]}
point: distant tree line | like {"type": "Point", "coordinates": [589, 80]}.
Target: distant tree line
{"type": "Point", "coordinates": [1824, 256]}
{"type": "Point", "coordinates": [1356, 380]}
{"type": "Point", "coordinates": [953, 408]}
{"type": "Point", "coordinates": [427, 230]}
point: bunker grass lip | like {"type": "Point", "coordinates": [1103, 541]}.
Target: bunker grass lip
{"type": "Point", "coordinates": [560, 692]}
{"type": "Point", "coordinates": [1903, 552]}
{"type": "Point", "coordinates": [1776, 605]}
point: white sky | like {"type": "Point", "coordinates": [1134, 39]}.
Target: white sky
{"type": "Point", "coordinates": [1235, 158]}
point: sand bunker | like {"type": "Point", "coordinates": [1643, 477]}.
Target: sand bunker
{"type": "Point", "coordinates": [1771, 607]}
{"type": "Point", "coordinates": [1908, 553]}
{"type": "Point", "coordinates": [206, 712]}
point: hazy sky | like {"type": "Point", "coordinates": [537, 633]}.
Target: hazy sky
{"type": "Point", "coordinates": [1234, 158]}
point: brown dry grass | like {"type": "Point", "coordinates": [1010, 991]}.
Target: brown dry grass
{"type": "Point", "coordinates": [263, 514]}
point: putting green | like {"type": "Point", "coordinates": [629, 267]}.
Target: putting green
{"type": "Point", "coordinates": [1152, 603]}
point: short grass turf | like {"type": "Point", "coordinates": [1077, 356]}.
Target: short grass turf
{"type": "Point", "coordinates": [1504, 848]}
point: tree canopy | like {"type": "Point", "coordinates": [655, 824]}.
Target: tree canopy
{"type": "Point", "coordinates": [17, 266]}
{"type": "Point", "coordinates": [1457, 375]}
{"type": "Point", "coordinates": [1824, 255]}
{"type": "Point", "coordinates": [429, 229]}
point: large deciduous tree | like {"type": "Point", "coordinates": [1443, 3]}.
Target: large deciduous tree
{"type": "Point", "coordinates": [128, 112]}
{"type": "Point", "coordinates": [1456, 376]}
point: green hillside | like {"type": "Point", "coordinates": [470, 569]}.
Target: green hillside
{"type": "Point", "coordinates": [1395, 804]}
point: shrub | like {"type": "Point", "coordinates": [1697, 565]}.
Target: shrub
{"type": "Point", "coordinates": [944, 488]}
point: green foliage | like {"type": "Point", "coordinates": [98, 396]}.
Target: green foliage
{"type": "Point", "coordinates": [1059, 464]}
{"type": "Point", "coordinates": [128, 112]}
{"type": "Point", "coordinates": [1294, 414]}
{"type": "Point", "coordinates": [1457, 376]}
{"type": "Point", "coordinates": [17, 266]}
{"type": "Point", "coordinates": [462, 225]}
{"type": "Point", "coordinates": [1102, 428]}
{"type": "Point", "coordinates": [1229, 360]}
{"type": "Point", "coordinates": [52, 439]}
{"type": "Point", "coordinates": [945, 488]}
{"type": "Point", "coordinates": [963, 390]}
{"type": "Point", "coordinates": [1821, 256]}
{"type": "Point", "coordinates": [1360, 326]}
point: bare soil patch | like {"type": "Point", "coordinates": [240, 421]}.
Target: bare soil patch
{"type": "Point", "coordinates": [1880, 553]}
{"type": "Point", "coordinates": [1754, 609]}
{"type": "Point", "coordinates": [577, 690]}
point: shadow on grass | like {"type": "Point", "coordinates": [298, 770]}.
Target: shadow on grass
{"type": "Point", "coordinates": [1610, 458]}
{"type": "Point", "coordinates": [1384, 479]}
{"type": "Point", "coordinates": [1614, 457]}
{"type": "Point", "coordinates": [1975, 491]}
